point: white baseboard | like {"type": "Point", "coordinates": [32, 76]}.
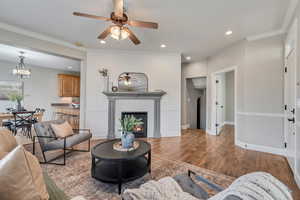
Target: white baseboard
{"type": "Point", "coordinates": [229, 123]}
{"type": "Point", "coordinates": [260, 148]}
{"type": "Point", "coordinates": [210, 132]}
{"type": "Point", "coordinates": [185, 126]}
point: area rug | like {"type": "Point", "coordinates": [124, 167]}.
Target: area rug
{"type": "Point", "coordinates": [75, 178]}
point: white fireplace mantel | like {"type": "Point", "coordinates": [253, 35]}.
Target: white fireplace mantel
{"type": "Point", "coordinates": [113, 96]}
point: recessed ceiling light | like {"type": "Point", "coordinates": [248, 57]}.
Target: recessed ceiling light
{"type": "Point", "coordinates": [70, 67]}
{"type": "Point", "coordinates": [163, 46]}
{"type": "Point", "coordinates": [188, 57]}
{"type": "Point", "coordinates": [229, 32]}
{"type": "Point", "coordinates": [102, 41]}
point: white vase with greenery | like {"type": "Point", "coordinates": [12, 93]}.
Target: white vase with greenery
{"type": "Point", "coordinates": [128, 123]}
{"type": "Point", "coordinates": [17, 98]}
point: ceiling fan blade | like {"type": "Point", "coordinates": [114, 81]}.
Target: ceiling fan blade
{"type": "Point", "coordinates": [132, 37]}
{"type": "Point", "coordinates": [143, 24]}
{"type": "Point", "coordinates": [119, 7]}
{"type": "Point", "coordinates": [91, 16]}
{"type": "Point", "coordinates": [104, 34]}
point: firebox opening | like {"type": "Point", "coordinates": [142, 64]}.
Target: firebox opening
{"type": "Point", "coordinates": [139, 131]}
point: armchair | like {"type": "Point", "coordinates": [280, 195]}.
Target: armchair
{"type": "Point", "coordinates": [49, 142]}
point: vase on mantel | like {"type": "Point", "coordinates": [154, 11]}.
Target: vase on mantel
{"type": "Point", "coordinates": [127, 140]}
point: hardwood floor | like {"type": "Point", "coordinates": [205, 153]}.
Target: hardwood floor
{"type": "Point", "coordinates": [218, 153]}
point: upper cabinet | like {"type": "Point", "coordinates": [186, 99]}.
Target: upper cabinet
{"type": "Point", "coordinates": [69, 85]}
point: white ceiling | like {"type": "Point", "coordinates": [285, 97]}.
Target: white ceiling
{"type": "Point", "coordinates": [11, 54]}
{"type": "Point", "coordinates": [190, 27]}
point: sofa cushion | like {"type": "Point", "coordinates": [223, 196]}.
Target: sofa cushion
{"type": "Point", "coordinates": [62, 130]}
{"type": "Point", "coordinates": [7, 141]}
{"type": "Point", "coordinates": [70, 141]}
{"type": "Point", "coordinates": [16, 181]}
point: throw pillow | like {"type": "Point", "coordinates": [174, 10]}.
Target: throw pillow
{"type": "Point", "coordinates": [20, 177]}
{"type": "Point", "coordinates": [7, 141]}
{"type": "Point", "coordinates": [62, 130]}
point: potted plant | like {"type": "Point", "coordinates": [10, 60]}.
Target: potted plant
{"type": "Point", "coordinates": [128, 123]}
{"type": "Point", "coordinates": [16, 97]}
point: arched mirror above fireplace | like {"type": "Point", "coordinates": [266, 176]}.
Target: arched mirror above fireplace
{"type": "Point", "coordinates": [133, 82]}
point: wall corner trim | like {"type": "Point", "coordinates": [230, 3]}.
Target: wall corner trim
{"type": "Point", "coordinates": [260, 148]}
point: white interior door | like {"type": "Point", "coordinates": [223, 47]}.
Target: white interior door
{"type": "Point", "coordinates": [291, 95]}
{"type": "Point", "coordinates": [290, 107]}
{"type": "Point", "coordinates": [220, 102]}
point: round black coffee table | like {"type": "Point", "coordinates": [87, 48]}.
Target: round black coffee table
{"type": "Point", "coordinates": [111, 166]}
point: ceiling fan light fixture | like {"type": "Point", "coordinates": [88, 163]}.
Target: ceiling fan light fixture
{"type": "Point", "coordinates": [118, 33]}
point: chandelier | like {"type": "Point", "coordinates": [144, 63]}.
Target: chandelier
{"type": "Point", "coordinates": [21, 71]}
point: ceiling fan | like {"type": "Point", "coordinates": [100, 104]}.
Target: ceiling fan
{"type": "Point", "coordinates": [118, 30]}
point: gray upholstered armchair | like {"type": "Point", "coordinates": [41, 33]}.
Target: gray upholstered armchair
{"type": "Point", "coordinates": [49, 142]}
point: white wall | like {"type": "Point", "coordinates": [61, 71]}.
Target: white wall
{"type": "Point", "coordinates": [259, 89]}
{"type": "Point", "coordinates": [39, 91]}
{"type": "Point", "coordinates": [163, 70]}
{"type": "Point", "coordinates": [229, 97]}
{"type": "Point", "coordinates": [191, 70]}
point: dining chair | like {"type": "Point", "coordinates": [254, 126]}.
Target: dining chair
{"type": "Point", "coordinates": [23, 120]}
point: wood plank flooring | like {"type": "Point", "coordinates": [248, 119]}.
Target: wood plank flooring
{"type": "Point", "coordinates": [218, 153]}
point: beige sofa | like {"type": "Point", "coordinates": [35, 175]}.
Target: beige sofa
{"type": "Point", "coordinates": [12, 165]}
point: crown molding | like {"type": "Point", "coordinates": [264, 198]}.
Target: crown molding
{"type": "Point", "coordinates": [289, 15]}
{"type": "Point", "coordinates": [286, 23]}
{"type": "Point", "coordinates": [39, 36]}
{"type": "Point", "coordinates": [265, 35]}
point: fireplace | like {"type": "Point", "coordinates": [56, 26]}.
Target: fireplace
{"type": "Point", "coordinates": [141, 130]}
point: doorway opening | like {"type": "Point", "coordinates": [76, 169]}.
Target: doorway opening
{"type": "Point", "coordinates": [224, 100]}
{"type": "Point", "coordinates": [196, 102]}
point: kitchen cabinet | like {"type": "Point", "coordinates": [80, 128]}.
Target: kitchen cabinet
{"type": "Point", "coordinates": [69, 85]}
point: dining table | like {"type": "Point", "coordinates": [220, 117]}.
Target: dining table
{"type": "Point", "coordinates": [10, 116]}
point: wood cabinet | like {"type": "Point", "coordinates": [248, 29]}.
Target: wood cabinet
{"type": "Point", "coordinates": [69, 85]}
